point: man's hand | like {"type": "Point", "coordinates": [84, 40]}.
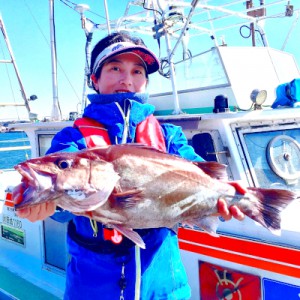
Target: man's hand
{"type": "Point", "coordinates": [34, 213]}
{"type": "Point", "coordinates": [227, 213]}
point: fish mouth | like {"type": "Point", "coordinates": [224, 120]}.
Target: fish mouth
{"type": "Point", "coordinates": [38, 185]}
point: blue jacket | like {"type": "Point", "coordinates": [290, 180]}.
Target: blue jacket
{"type": "Point", "coordinates": [91, 273]}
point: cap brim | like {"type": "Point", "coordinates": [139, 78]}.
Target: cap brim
{"type": "Point", "coordinates": [150, 60]}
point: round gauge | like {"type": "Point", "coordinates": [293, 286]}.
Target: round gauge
{"type": "Point", "coordinates": [283, 154]}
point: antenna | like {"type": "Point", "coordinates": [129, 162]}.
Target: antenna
{"type": "Point", "coordinates": [88, 26]}
{"type": "Point", "coordinates": [81, 8]}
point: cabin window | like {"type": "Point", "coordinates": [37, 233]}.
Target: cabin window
{"type": "Point", "coordinates": [44, 143]}
{"type": "Point", "coordinates": [271, 157]}
{"type": "Point", "coordinates": [208, 144]}
{"type": "Point", "coordinates": [274, 157]}
{"type": "Point", "coordinates": [203, 70]}
{"type": "Point", "coordinates": [55, 246]}
{"type": "Point", "coordinates": [204, 146]}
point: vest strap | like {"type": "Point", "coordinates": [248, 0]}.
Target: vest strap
{"type": "Point", "coordinates": [149, 132]}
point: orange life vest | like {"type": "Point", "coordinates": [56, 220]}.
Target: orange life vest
{"type": "Point", "coordinates": [148, 132]}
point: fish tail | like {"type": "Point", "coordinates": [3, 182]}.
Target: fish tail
{"type": "Point", "coordinates": [268, 205]}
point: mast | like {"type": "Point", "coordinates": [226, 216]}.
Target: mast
{"type": "Point", "coordinates": [12, 60]}
{"type": "Point", "coordinates": [107, 17]}
{"type": "Point", "coordinates": [88, 28]}
{"type": "Point", "coordinates": [56, 112]}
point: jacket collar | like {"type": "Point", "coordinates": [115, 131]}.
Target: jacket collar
{"type": "Point", "coordinates": [109, 98]}
{"type": "Point", "coordinates": [106, 110]}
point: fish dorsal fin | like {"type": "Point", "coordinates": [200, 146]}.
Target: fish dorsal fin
{"type": "Point", "coordinates": [141, 146]}
{"type": "Point", "coordinates": [102, 152]}
{"type": "Point", "coordinates": [213, 169]}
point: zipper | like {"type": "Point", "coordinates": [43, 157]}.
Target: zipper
{"type": "Point", "coordinates": [125, 114]}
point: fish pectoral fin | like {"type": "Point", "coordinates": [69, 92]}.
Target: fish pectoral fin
{"type": "Point", "coordinates": [127, 199]}
{"type": "Point", "coordinates": [130, 234]}
{"type": "Point", "coordinates": [208, 224]}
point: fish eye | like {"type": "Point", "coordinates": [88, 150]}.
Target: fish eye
{"type": "Point", "coordinates": [63, 164]}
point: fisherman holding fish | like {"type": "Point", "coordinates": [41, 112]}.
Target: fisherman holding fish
{"type": "Point", "coordinates": [105, 264]}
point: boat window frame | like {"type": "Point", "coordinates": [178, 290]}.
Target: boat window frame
{"type": "Point", "coordinates": [239, 129]}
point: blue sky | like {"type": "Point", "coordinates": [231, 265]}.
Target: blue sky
{"type": "Point", "coordinates": [27, 25]}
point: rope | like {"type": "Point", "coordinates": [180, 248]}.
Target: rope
{"type": "Point", "coordinates": [94, 227]}
{"type": "Point", "coordinates": [137, 272]}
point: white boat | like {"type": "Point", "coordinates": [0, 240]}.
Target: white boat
{"type": "Point", "coordinates": [217, 94]}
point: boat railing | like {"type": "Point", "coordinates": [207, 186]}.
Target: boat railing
{"type": "Point", "coordinates": [15, 148]}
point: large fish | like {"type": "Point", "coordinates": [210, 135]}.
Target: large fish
{"type": "Point", "coordinates": [135, 186]}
